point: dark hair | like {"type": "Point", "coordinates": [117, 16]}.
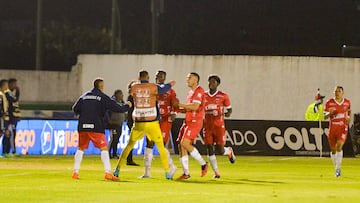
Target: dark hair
{"type": "Point", "coordinates": [160, 72]}
{"type": "Point", "coordinates": [117, 91]}
{"type": "Point", "coordinates": [213, 76]}
{"type": "Point", "coordinates": [340, 87]}
{"type": "Point", "coordinates": [196, 75]}
{"type": "Point", "coordinates": [97, 81]}
{"type": "Point", "coordinates": [143, 74]}
{"type": "Point", "coordinates": [11, 80]}
{"type": "Point", "coordinates": [3, 81]}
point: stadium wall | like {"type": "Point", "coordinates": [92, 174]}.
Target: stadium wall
{"type": "Point", "coordinates": [260, 87]}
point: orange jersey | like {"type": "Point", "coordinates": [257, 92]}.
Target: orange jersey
{"type": "Point", "coordinates": [195, 96]}
{"type": "Point", "coordinates": [145, 106]}
{"type": "Point", "coordinates": [340, 111]}
{"type": "Point", "coordinates": [214, 108]}
{"type": "Point", "coordinates": [165, 102]}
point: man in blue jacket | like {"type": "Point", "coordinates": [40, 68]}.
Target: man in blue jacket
{"type": "Point", "coordinates": [91, 108]}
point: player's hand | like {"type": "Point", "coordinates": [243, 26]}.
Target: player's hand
{"type": "Point", "coordinates": [172, 116]}
{"type": "Point", "coordinates": [129, 103]}
{"type": "Point", "coordinates": [172, 83]}
{"type": "Point", "coordinates": [332, 112]}
{"type": "Point", "coordinates": [227, 114]}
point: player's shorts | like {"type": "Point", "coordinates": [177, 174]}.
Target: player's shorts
{"type": "Point", "coordinates": [98, 139]}
{"type": "Point", "coordinates": [214, 135]}
{"type": "Point", "coordinates": [189, 130]}
{"type": "Point", "coordinates": [165, 127]}
{"type": "Point", "coordinates": [150, 129]}
{"type": "Point", "coordinates": [336, 133]}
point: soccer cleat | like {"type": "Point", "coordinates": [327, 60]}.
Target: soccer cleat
{"type": "Point", "coordinates": [109, 176]}
{"type": "Point", "coordinates": [168, 176]}
{"type": "Point", "coordinates": [204, 169]}
{"type": "Point", "coordinates": [75, 175]}
{"type": "Point", "coordinates": [217, 175]}
{"type": "Point", "coordinates": [232, 156]}
{"type": "Point", "coordinates": [183, 177]}
{"type": "Point", "coordinates": [338, 172]}
{"type": "Point", "coordinates": [116, 172]}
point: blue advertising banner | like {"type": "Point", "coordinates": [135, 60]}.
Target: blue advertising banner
{"type": "Point", "coordinates": [60, 137]}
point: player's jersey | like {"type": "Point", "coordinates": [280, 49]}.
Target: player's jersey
{"type": "Point", "coordinates": [165, 103]}
{"type": "Point", "coordinates": [214, 108]}
{"type": "Point", "coordinates": [340, 110]}
{"type": "Point", "coordinates": [195, 96]}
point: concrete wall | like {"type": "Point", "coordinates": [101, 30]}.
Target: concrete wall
{"type": "Point", "coordinates": [46, 86]}
{"type": "Point", "coordinates": [260, 87]}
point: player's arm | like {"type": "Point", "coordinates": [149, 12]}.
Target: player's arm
{"type": "Point", "coordinates": [77, 106]}
{"type": "Point", "coordinates": [348, 117]}
{"type": "Point", "coordinates": [163, 88]}
{"type": "Point", "coordinates": [190, 107]}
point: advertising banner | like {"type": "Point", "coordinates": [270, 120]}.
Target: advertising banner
{"type": "Point", "coordinates": [58, 137]}
{"type": "Point", "coordinates": [261, 137]}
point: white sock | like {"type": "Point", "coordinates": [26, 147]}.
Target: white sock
{"type": "Point", "coordinates": [77, 160]}
{"type": "Point", "coordinates": [148, 156]}
{"type": "Point", "coordinates": [339, 156]}
{"type": "Point", "coordinates": [227, 150]}
{"type": "Point", "coordinates": [196, 155]}
{"type": "Point", "coordinates": [171, 163]}
{"type": "Point", "coordinates": [185, 164]}
{"type": "Point", "coordinates": [333, 158]}
{"type": "Point", "coordinates": [213, 163]}
{"type": "Point", "coordinates": [106, 161]}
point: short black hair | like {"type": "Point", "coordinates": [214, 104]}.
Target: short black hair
{"type": "Point", "coordinates": [143, 74]}
{"type": "Point", "coordinates": [213, 76]}
{"type": "Point", "coordinates": [160, 72]}
{"type": "Point", "coordinates": [97, 81]}
{"type": "Point", "coordinates": [340, 87]}
{"type": "Point", "coordinates": [196, 75]}
{"type": "Point", "coordinates": [11, 80]}
{"type": "Point", "coordinates": [117, 92]}
{"type": "Point", "coordinates": [3, 81]}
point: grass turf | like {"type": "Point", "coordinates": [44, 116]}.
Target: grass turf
{"type": "Point", "coordinates": [250, 179]}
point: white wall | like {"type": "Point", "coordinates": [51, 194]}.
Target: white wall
{"type": "Point", "coordinates": [45, 86]}
{"type": "Point", "coordinates": [260, 87]}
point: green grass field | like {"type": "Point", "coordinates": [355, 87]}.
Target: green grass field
{"type": "Point", "coordinates": [250, 179]}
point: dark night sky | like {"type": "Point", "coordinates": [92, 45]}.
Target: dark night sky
{"type": "Point", "coordinates": [251, 27]}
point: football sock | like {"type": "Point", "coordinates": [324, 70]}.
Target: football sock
{"type": "Point", "coordinates": [333, 158]}
{"type": "Point", "coordinates": [213, 163]}
{"type": "Point", "coordinates": [196, 155]}
{"type": "Point", "coordinates": [171, 163]}
{"type": "Point", "coordinates": [77, 160]}
{"type": "Point", "coordinates": [106, 161]}
{"type": "Point", "coordinates": [227, 150]}
{"type": "Point", "coordinates": [147, 160]}
{"type": "Point", "coordinates": [339, 156]}
{"type": "Point", "coordinates": [185, 164]}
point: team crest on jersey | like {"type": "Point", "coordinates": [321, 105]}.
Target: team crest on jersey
{"type": "Point", "coordinates": [199, 94]}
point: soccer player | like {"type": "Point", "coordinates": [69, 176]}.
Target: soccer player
{"type": "Point", "coordinates": [146, 119]}
{"type": "Point", "coordinates": [167, 115]}
{"type": "Point", "coordinates": [91, 108]}
{"type": "Point", "coordinates": [194, 109]}
{"type": "Point", "coordinates": [214, 125]}
{"type": "Point", "coordinates": [338, 109]}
